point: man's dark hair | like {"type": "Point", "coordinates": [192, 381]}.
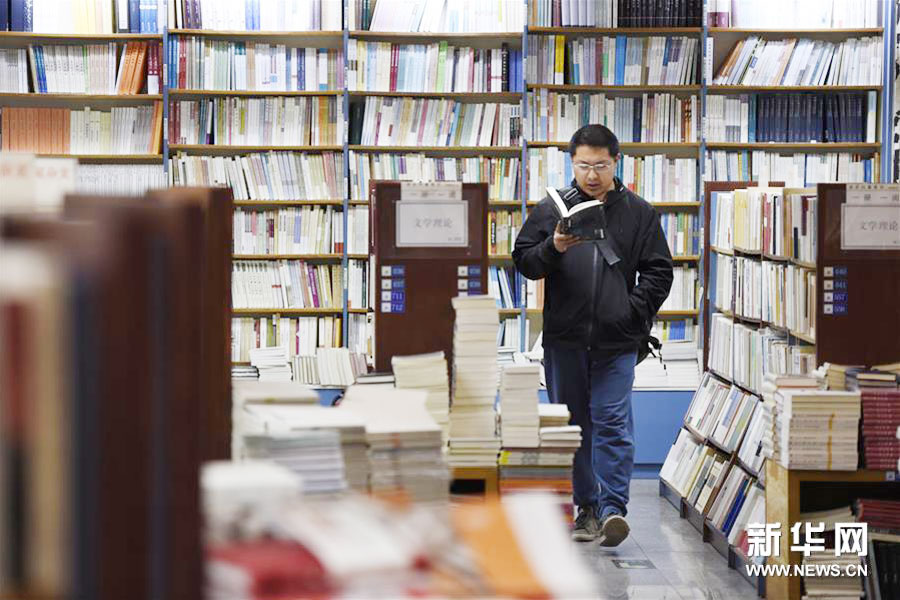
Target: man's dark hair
{"type": "Point", "coordinates": [598, 136]}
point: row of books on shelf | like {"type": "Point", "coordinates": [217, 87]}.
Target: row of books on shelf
{"type": "Point", "coordinates": [683, 294]}
{"type": "Point", "coordinates": [88, 69]}
{"type": "Point", "coordinates": [509, 333]}
{"type": "Point", "coordinates": [389, 121]}
{"type": "Point", "coordinates": [613, 60]}
{"type": "Point", "coordinates": [271, 121]}
{"type": "Point", "coordinates": [200, 63]}
{"type": "Point", "coordinates": [256, 15]}
{"type": "Point", "coordinates": [502, 174]}
{"type": "Point", "coordinates": [718, 488]}
{"type": "Point", "coordinates": [286, 284]}
{"type": "Point", "coordinates": [615, 13]}
{"type": "Point", "coordinates": [118, 180]}
{"type": "Point", "coordinates": [658, 118]}
{"type": "Point", "coordinates": [326, 366]}
{"type": "Point", "coordinates": [85, 16]}
{"type": "Point", "coordinates": [301, 230]}
{"type": "Point", "coordinates": [682, 232]}
{"type": "Point", "coordinates": [120, 130]}
{"type": "Point", "coordinates": [445, 16]}
{"type": "Point", "coordinates": [265, 175]}
{"type": "Point", "coordinates": [792, 118]}
{"type": "Point", "coordinates": [436, 67]}
{"type": "Point", "coordinates": [802, 62]}
{"type": "Point", "coordinates": [503, 227]}
{"type": "Point", "coordinates": [801, 14]}
{"type": "Point", "coordinates": [300, 336]}
{"type": "Point", "coordinates": [778, 222]}
{"type": "Point", "coordinates": [795, 169]}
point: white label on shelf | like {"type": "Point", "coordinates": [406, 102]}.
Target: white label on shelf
{"type": "Point", "coordinates": [386, 295]}
{"type": "Point", "coordinates": [829, 296]}
{"type": "Point", "coordinates": [829, 284]}
{"type": "Point", "coordinates": [462, 284]}
{"type": "Point", "coordinates": [385, 270]}
{"type": "Point", "coordinates": [432, 224]}
{"type": "Point", "coordinates": [873, 194]}
{"type": "Point", "coordinates": [385, 284]}
{"type": "Point", "coordinates": [462, 271]}
{"type": "Point", "coordinates": [829, 309]}
{"type": "Point", "coordinates": [435, 191]}
{"type": "Point", "coordinates": [385, 307]}
{"type": "Point", "coordinates": [870, 227]}
{"type": "Point", "coordinates": [829, 272]}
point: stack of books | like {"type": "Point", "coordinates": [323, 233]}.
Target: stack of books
{"type": "Point", "coordinates": [881, 428]}
{"type": "Point", "coordinates": [519, 419]}
{"type": "Point", "coordinates": [651, 373]}
{"type": "Point", "coordinates": [879, 514]}
{"type": "Point", "coordinates": [244, 372]}
{"type": "Point", "coordinates": [473, 440]}
{"type": "Point", "coordinates": [816, 429]}
{"type": "Point", "coordinates": [313, 455]}
{"type": "Point", "coordinates": [680, 360]}
{"type": "Point", "coordinates": [285, 418]}
{"type": "Point", "coordinates": [405, 443]}
{"type": "Point", "coordinates": [272, 363]}
{"type": "Point", "coordinates": [427, 372]}
{"type": "Point", "coordinates": [846, 584]}
{"type": "Point", "coordinates": [549, 466]}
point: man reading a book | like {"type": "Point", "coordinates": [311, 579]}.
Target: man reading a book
{"type": "Point", "coordinates": [608, 269]}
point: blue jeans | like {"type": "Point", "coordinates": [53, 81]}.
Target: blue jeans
{"type": "Point", "coordinates": [597, 390]}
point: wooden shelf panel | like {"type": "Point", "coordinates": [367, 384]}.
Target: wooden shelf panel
{"type": "Point", "coordinates": [315, 35]}
{"type": "Point", "coordinates": [107, 98]}
{"type": "Point", "coordinates": [616, 88]}
{"type": "Point", "coordinates": [725, 251]}
{"type": "Point", "coordinates": [109, 158]}
{"type": "Point", "coordinates": [613, 30]}
{"type": "Point", "coordinates": [498, 257]}
{"type": "Point", "coordinates": [495, 38]}
{"type": "Point", "coordinates": [111, 37]}
{"type": "Point", "coordinates": [220, 149]}
{"type": "Point", "coordinates": [674, 314]}
{"type": "Point", "coordinates": [721, 89]}
{"type": "Point", "coordinates": [808, 147]}
{"type": "Point", "coordinates": [283, 203]}
{"type": "Point", "coordinates": [473, 96]}
{"type": "Point", "coordinates": [675, 204]}
{"type": "Point", "coordinates": [191, 93]}
{"type": "Point", "coordinates": [686, 258]}
{"type": "Point", "coordinates": [628, 145]}
{"type": "Point", "coordinates": [285, 311]}
{"type": "Point", "coordinates": [297, 256]}
{"type": "Point", "coordinates": [843, 32]}
{"type": "Point", "coordinates": [802, 336]}
{"type": "Point", "coordinates": [471, 150]}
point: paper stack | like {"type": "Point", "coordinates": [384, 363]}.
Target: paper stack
{"type": "Point", "coordinates": [313, 455]}
{"type": "Point", "coordinates": [273, 363]}
{"type": "Point", "coordinates": [287, 418]}
{"type": "Point", "coordinates": [406, 448]}
{"type": "Point", "coordinates": [519, 419]}
{"type": "Point", "coordinates": [680, 359]}
{"type": "Point", "coordinates": [473, 439]}
{"type": "Point", "coordinates": [244, 393]}
{"type": "Point", "coordinates": [817, 429]}
{"type": "Point", "coordinates": [244, 372]}
{"type": "Point", "coordinates": [427, 372]}
{"type": "Point", "coordinates": [650, 374]}
{"type": "Point", "coordinates": [880, 427]}
{"type": "Point", "coordinates": [848, 584]}
{"type": "Point", "coordinates": [548, 467]}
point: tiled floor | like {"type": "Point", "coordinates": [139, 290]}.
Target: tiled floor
{"type": "Point", "coordinates": [683, 567]}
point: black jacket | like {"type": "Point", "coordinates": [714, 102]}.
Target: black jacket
{"type": "Point", "coordinates": [590, 300]}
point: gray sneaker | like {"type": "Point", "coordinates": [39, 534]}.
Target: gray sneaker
{"type": "Point", "coordinates": [613, 530]}
{"type": "Point", "coordinates": [587, 526]}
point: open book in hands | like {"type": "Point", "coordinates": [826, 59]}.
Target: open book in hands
{"type": "Point", "coordinates": [585, 220]}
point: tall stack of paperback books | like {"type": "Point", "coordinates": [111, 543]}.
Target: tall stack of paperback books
{"type": "Point", "coordinates": [473, 439]}
{"type": "Point", "coordinates": [817, 429]}
{"type": "Point", "coordinates": [426, 372]}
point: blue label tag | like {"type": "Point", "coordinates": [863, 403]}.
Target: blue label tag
{"type": "Point", "coordinates": [474, 284]}
{"type": "Point", "coordinates": [398, 307]}
{"type": "Point", "coordinates": [398, 284]}
{"type": "Point", "coordinates": [840, 284]}
{"type": "Point", "coordinates": [398, 296]}
{"type": "Point", "coordinates": [398, 270]}
{"type": "Point", "coordinates": [840, 271]}
{"type": "Point", "coordinates": [474, 271]}
{"type": "Point", "coordinates": [840, 297]}
{"type": "Point", "coordinates": [840, 309]}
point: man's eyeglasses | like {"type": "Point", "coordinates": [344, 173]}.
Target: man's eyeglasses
{"type": "Point", "coordinates": [598, 168]}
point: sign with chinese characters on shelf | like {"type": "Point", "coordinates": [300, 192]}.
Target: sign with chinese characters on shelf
{"type": "Point", "coordinates": [432, 224]}
{"type": "Point", "coordinates": [870, 218]}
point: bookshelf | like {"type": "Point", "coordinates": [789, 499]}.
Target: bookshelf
{"type": "Point", "coordinates": [707, 63]}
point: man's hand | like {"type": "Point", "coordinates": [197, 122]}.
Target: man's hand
{"type": "Point", "coordinates": [564, 241]}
